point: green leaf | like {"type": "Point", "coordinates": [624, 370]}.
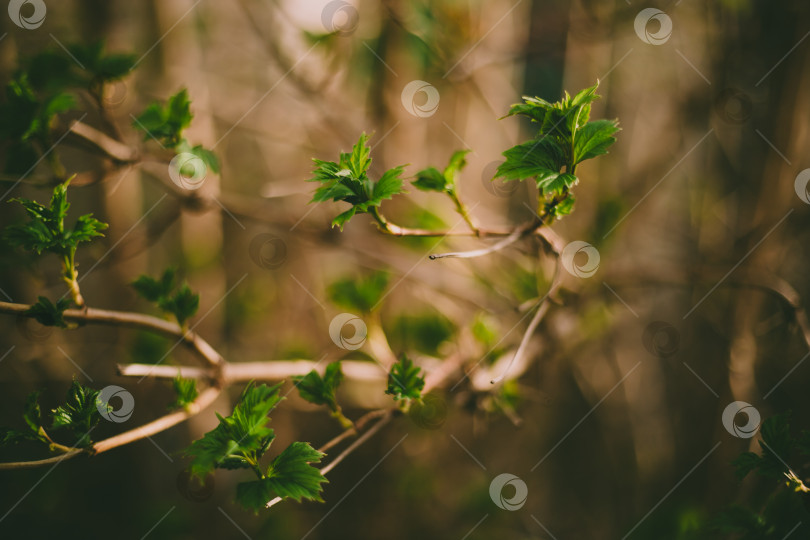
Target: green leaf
{"type": "Point", "coordinates": [80, 412]}
{"type": "Point", "coordinates": [389, 184]}
{"type": "Point", "coordinates": [347, 181]}
{"type": "Point", "coordinates": [180, 302]}
{"type": "Point", "coordinates": [557, 184]}
{"type": "Point", "coordinates": [33, 418]}
{"type": "Point", "coordinates": [183, 305]}
{"type": "Point", "coordinates": [344, 217]}
{"type": "Point", "coordinates": [185, 390]}
{"type": "Point", "coordinates": [32, 413]}
{"type": "Point", "coordinates": [745, 463]}
{"type": "Point", "coordinates": [115, 66]}
{"type": "Point", "coordinates": [359, 161]}
{"type": "Point", "coordinates": [594, 139]}
{"type": "Point", "coordinates": [48, 314]}
{"type": "Point", "coordinates": [321, 390]}
{"type": "Point", "coordinates": [404, 380]}
{"type": "Point", "coordinates": [46, 229]}
{"type": "Point", "coordinates": [541, 159]}
{"type": "Point", "coordinates": [289, 476]}
{"type": "Point", "coordinates": [152, 289]}
{"type": "Point", "coordinates": [564, 207]}
{"type": "Point", "coordinates": [430, 179]}
{"type": "Point", "coordinates": [457, 162]}
{"type": "Point", "coordinates": [361, 293]}
{"type": "Point", "coordinates": [208, 157]}
{"type": "Point", "coordinates": [166, 122]}
{"type": "Point", "coordinates": [240, 440]}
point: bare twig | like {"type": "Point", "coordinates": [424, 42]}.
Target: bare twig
{"type": "Point", "coordinates": [132, 320]}
{"type": "Point", "coordinates": [245, 371]}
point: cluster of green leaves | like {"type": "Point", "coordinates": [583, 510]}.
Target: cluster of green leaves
{"type": "Point", "coordinates": [320, 390]}
{"type": "Point", "coordinates": [45, 231]}
{"type": "Point", "coordinates": [241, 440]}
{"type": "Point", "coordinates": [405, 380]}
{"type": "Point", "coordinates": [76, 417]}
{"type": "Point", "coordinates": [786, 503]}
{"type": "Point", "coordinates": [566, 137]}
{"type": "Point", "coordinates": [47, 313]}
{"type": "Point", "coordinates": [185, 392]}
{"type": "Point", "coordinates": [165, 123]}
{"type": "Point", "coordinates": [44, 87]}
{"type": "Point", "coordinates": [180, 301]}
{"type": "Point", "coordinates": [348, 181]}
{"type": "Point", "coordinates": [361, 293]}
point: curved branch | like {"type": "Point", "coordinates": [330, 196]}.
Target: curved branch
{"type": "Point", "coordinates": [156, 426]}
{"type": "Point", "coordinates": [198, 345]}
{"type": "Point", "coordinates": [208, 396]}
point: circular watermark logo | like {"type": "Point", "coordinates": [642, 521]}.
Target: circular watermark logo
{"type": "Point", "coordinates": [187, 171]}
{"type": "Point", "coordinates": [194, 489]}
{"type": "Point", "coordinates": [661, 339]}
{"type": "Point", "coordinates": [430, 412]}
{"type": "Point", "coordinates": [340, 18]}
{"type": "Point", "coordinates": [268, 251]}
{"type": "Point", "coordinates": [642, 26]}
{"type": "Point", "coordinates": [358, 332]}
{"type": "Point", "coordinates": [516, 501]}
{"type": "Point", "coordinates": [575, 267]}
{"type": "Point", "coordinates": [115, 94]}
{"type": "Point", "coordinates": [122, 413]}
{"type": "Point", "coordinates": [802, 185]}
{"type": "Point", "coordinates": [496, 186]}
{"type": "Point", "coordinates": [418, 88]}
{"type": "Point", "coordinates": [33, 17]}
{"type": "Point", "coordinates": [749, 429]}
{"type": "Point", "coordinates": [733, 106]}
{"type": "Point", "coordinates": [31, 330]}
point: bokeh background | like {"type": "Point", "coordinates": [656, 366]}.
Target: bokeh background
{"type": "Point", "coordinates": [615, 425]}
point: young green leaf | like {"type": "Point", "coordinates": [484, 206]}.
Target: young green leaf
{"type": "Point", "coordinates": [33, 419]}
{"type": "Point", "coordinates": [80, 412]}
{"type": "Point", "coordinates": [185, 390]}
{"type": "Point", "coordinates": [320, 390]}
{"type": "Point", "coordinates": [166, 122]}
{"type": "Point", "coordinates": [48, 314]}
{"type": "Point", "coordinates": [154, 290]}
{"type": "Point", "coordinates": [431, 179]}
{"type": "Point", "coordinates": [289, 476]}
{"type": "Point", "coordinates": [404, 380]}
{"type": "Point", "coordinates": [348, 181]}
{"type": "Point", "coordinates": [46, 229]}
{"type": "Point", "coordinates": [180, 302]}
{"type": "Point", "coordinates": [183, 305]}
{"type": "Point", "coordinates": [240, 440]}
{"type": "Point", "coordinates": [359, 293]}
{"type": "Point", "coordinates": [566, 137]}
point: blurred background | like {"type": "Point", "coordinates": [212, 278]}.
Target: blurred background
{"type": "Point", "coordinates": [615, 424]}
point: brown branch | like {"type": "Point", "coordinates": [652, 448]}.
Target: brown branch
{"type": "Point", "coordinates": [156, 426]}
{"type": "Point", "coordinates": [269, 370]}
{"type": "Point", "coordinates": [131, 320]}
{"type": "Point", "coordinates": [102, 142]}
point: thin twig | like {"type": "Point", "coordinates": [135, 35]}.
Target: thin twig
{"type": "Point", "coordinates": [198, 345]}
{"type": "Point", "coordinates": [270, 370]}
{"type": "Point", "coordinates": [389, 414]}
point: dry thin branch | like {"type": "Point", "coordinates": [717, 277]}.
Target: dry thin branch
{"type": "Point", "coordinates": [197, 344]}
{"type": "Point", "coordinates": [262, 371]}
